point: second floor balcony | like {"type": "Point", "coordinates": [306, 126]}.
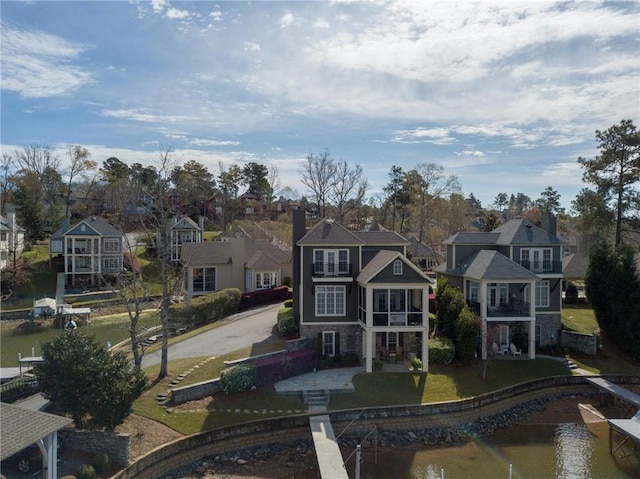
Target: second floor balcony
{"type": "Point", "coordinates": [512, 308]}
{"type": "Point", "coordinates": [542, 266]}
{"type": "Point", "coordinates": [332, 270]}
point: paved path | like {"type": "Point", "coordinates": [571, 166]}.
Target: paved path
{"type": "Point", "coordinates": [238, 331]}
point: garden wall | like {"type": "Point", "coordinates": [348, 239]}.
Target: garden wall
{"type": "Point", "coordinates": [408, 418]}
{"type": "Point", "coordinates": [582, 342]}
{"type": "Point", "coordinates": [92, 442]}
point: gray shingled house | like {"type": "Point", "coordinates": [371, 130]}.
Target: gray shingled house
{"type": "Point", "coordinates": [511, 278]}
{"type": "Point", "coordinates": [357, 292]}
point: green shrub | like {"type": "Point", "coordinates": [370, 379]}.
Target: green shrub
{"type": "Point", "coordinates": [208, 307]}
{"type": "Point", "coordinates": [86, 471]}
{"type": "Point", "coordinates": [237, 379]}
{"type": "Point", "coordinates": [441, 350]}
{"type": "Point", "coordinates": [377, 364]}
{"type": "Point", "coordinates": [286, 322]}
{"type": "Point", "coordinates": [571, 294]}
{"type": "Point", "coordinates": [416, 364]}
{"type": "Point", "coordinates": [288, 303]}
{"type": "Point", "coordinates": [101, 462]}
{"type": "Point", "coordinates": [467, 330]}
{"type": "Point", "coordinates": [68, 477]}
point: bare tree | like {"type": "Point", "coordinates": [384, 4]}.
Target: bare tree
{"type": "Point", "coordinates": [79, 166]}
{"type": "Point", "coordinates": [348, 189]}
{"type": "Point", "coordinates": [318, 174]}
{"type": "Point", "coordinates": [7, 183]}
{"type": "Point", "coordinates": [274, 182]}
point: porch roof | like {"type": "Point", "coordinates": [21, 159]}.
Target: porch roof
{"type": "Point", "coordinates": [381, 260]}
{"type": "Point", "coordinates": [491, 265]}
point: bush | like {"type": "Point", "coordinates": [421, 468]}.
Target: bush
{"type": "Point", "coordinates": [416, 364]}
{"type": "Point", "coordinates": [467, 330]}
{"type": "Point", "coordinates": [237, 379]}
{"type": "Point", "coordinates": [286, 322]}
{"type": "Point", "coordinates": [208, 307]}
{"type": "Point", "coordinates": [68, 477]}
{"type": "Point", "coordinates": [86, 471]}
{"type": "Point", "coordinates": [441, 350]}
{"type": "Point", "coordinates": [101, 462]}
{"type": "Point", "coordinates": [571, 294]}
{"type": "Point", "coordinates": [288, 303]}
{"type": "Point", "coordinates": [377, 364]}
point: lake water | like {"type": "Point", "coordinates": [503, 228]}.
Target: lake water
{"type": "Point", "coordinates": [534, 451]}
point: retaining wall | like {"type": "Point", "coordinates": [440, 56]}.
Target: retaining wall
{"type": "Point", "coordinates": [296, 428]}
{"type": "Point", "coordinates": [116, 445]}
{"type": "Point", "coordinates": [583, 342]}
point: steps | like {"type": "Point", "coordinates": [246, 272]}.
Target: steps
{"type": "Point", "coordinates": [316, 399]}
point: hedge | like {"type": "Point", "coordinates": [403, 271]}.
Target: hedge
{"type": "Point", "coordinates": [237, 379]}
{"type": "Point", "coordinates": [206, 308]}
{"type": "Point", "coordinates": [286, 322]}
{"type": "Point", "coordinates": [441, 350]}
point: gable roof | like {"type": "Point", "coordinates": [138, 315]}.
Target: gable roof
{"type": "Point", "coordinates": [574, 266]}
{"type": "Point", "coordinates": [256, 254]}
{"type": "Point", "coordinates": [513, 232]}
{"type": "Point", "coordinates": [22, 427]}
{"type": "Point", "coordinates": [382, 259]}
{"type": "Point", "coordinates": [419, 249]}
{"type": "Point", "coordinates": [328, 232]}
{"type": "Point", "coordinates": [5, 225]}
{"type": "Point", "coordinates": [489, 264]}
{"type": "Point", "coordinates": [97, 224]}
{"type": "Point", "coordinates": [381, 237]}
{"type": "Point", "coordinates": [185, 223]}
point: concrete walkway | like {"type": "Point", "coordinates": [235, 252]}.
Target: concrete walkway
{"type": "Point", "coordinates": [330, 460]}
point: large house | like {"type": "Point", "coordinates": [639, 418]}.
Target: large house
{"type": "Point", "coordinates": [91, 249]}
{"type": "Point", "coordinates": [11, 240]}
{"type": "Point", "coordinates": [357, 292]}
{"type": "Point", "coordinates": [511, 278]}
{"type": "Point", "coordinates": [235, 262]}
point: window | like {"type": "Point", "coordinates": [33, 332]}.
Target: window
{"type": "Point", "coordinates": [473, 292]}
{"type": "Point", "coordinates": [496, 294]}
{"type": "Point", "coordinates": [537, 259]}
{"type": "Point", "coordinates": [111, 245]}
{"type": "Point", "coordinates": [542, 294]}
{"type": "Point", "coordinates": [331, 262]}
{"type": "Point", "coordinates": [265, 280]}
{"type": "Point", "coordinates": [330, 301]}
{"type": "Point", "coordinates": [110, 264]}
{"type": "Point", "coordinates": [328, 343]}
{"type": "Point", "coordinates": [204, 280]}
{"type": "Point", "coordinates": [397, 267]}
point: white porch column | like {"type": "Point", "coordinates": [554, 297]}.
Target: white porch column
{"type": "Point", "coordinates": [369, 340]}
{"type": "Point", "coordinates": [532, 323]}
{"type": "Point", "coordinates": [532, 339]}
{"type": "Point", "coordinates": [484, 339]}
{"type": "Point", "coordinates": [482, 297]}
{"type": "Point", "coordinates": [425, 334]}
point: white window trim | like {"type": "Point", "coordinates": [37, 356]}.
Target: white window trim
{"type": "Point", "coordinates": [325, 336]}
{"type": "Point", "coordinates": [544, 285]}
{"type": "Point", "coordinates": [324, 262]}
{"type": "Point", "coordinates": [397, 267]}
{"type": "Point", "coordinates": [335, 290]}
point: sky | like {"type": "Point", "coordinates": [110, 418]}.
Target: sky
{"type": "Point", "coordinates": [505, 95]}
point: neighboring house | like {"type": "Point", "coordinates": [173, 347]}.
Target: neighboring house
{"type": "Point", "coordinates": [251, 205]}
{"type": "Point", "coordinates": [421, 254]}
{"type": "Point", "coordinates": [243, 263]}
{"type": "Point", "coordinates": [182, 231]}
{"type": "Point", "coordinates": [11, 240]}
{"type": "Point", "coordinates": [357, 292]}
{"type": "Point", "coordinates": [91, 248]}
{"type": "Point", "coordinates": [511, 278]}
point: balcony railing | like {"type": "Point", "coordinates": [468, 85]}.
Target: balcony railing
{"type": "Point", "coordinates": [542, 266]}
{"type": "Point", "coordinates": [332, 269]}
{"type": "Point", "coordinates": [513, 308]}
{"type": "Point", "coordinates": [413, 318]}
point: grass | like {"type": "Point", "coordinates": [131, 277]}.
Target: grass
{"type": "Point", "coordinates": [579, 318]}
{"type": "Point", "coordinates": [442, 383]}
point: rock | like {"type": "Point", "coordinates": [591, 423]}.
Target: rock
{"type": "Point", "coordinates": [242, 462]}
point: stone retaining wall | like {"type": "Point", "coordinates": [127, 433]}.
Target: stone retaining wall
{"type": "Point", "coordinates": [403, 418]}
{"type": "Point", "coordinates": [585, 343]}
{"type": "Point", "coordinates": [117, 446]}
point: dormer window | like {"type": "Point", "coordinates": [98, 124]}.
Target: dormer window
{"type": "Point", "coordinates": [397, 267]}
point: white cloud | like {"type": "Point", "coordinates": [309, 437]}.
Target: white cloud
{"type": "Point", "coordinates": [208, 142]}
{"type": "Point", "coordinates": [175, 14]}
{"type": "Point", "coordinates": [36, 64]}
{"type": "Point", "coordinates": [286, 20]}
{"type": "Point", "coordinates": [145, 117]}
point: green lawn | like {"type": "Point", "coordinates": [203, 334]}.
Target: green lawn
{"type": "Point", "coordinates": [579, 318]}
{"type": "Point", "coordinates": [443, 383]}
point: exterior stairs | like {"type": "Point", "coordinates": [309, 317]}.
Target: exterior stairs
{"type": "Point", "coordinates": [316, 399]}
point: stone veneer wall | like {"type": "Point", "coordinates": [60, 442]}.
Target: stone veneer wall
{"type": "Point", "coordinates": [92, 442]}
{"type": "Point", "coordinates": [350, 335]}
{"type": "Point", "coordinates": [585, 343]}
{"type": "Point", "coordinates": [296, 428]}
